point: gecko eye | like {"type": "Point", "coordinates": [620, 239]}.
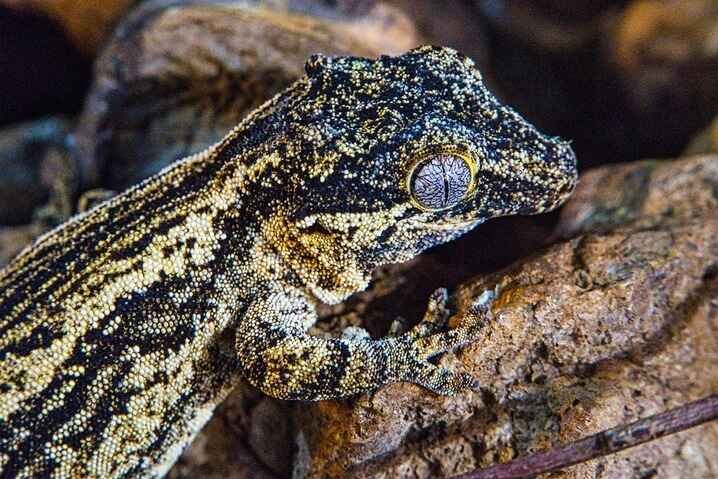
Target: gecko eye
{"type": "Point", "coordinates": [440, 181]}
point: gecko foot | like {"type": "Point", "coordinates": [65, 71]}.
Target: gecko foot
{"type": "Point", "coordinates": [435, 317]}
{"type": "Point", "coordinates": [416, 347]}
{"type": "Point", "coordinates": [411, 365]}
{"type": "Point", "coordinates": [355, 333]}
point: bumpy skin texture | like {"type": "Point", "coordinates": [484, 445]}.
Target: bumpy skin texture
{"type": "Point", "coordinates": [121, 330]}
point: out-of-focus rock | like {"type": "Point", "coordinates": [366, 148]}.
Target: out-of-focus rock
{"type": "Point", "coordinates": [86, 22]}
{"type": "Point", "coordinates": [615, 324]}
{"type": "Point", "coordinates": [643, 195]}
{"type": "Point", "coordinates": [665, 34]}
{"type": "Point", "coordinates": [250, 436]}
{"type": "Point", "coordinates": [42, 72]}
{"type": "Point", "coordinates": [454, 24]}
{"type": "Point", "coordinates": [29, 171]}
{"type": "Point", "coordinates": [178, 75]}
{"type": "Point", "coordinates": [704, 142]}
{"type": "Point", "coordinates": [615, 78]}
{"type": "Point", "coordinates": [666, 53]}
{"type": "Point", "coordinates": [548, 25]}
{"type": "Point", "coordinates": [543, 59]}
{"type": "Point", "coordinates": [14, 238]}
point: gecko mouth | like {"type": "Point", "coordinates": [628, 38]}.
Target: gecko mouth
{"type": "Point", "coordinates": [448, 226]}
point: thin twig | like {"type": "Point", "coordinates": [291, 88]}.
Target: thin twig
{"type": "Point", "coordinates": [603, 443]}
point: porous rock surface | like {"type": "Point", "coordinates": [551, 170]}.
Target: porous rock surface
{"type": "Point", "coordinates": [615, 321]}
{"type": "Point", "coordinates": [618, 322]}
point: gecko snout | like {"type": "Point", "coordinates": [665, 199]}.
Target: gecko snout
{"type": "Point", "coordinates": [561, 173]}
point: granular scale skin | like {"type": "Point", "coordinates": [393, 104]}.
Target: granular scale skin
{"type": "Point", "coordinates": [122, 329]}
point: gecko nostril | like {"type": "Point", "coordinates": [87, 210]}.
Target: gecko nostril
{"type": "Point", "coordinates": [565, 188]}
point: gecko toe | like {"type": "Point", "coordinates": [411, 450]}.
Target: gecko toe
{"type": "Point", "coordinates": [445, 381]}
{"type": "Point", "coordinates": [436, 315]}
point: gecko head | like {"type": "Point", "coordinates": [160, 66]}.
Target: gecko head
{"type": "Point", "coordinates": [399, 154]}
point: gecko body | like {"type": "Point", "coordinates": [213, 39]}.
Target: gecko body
{"type": "Point", "coordinates": [122, 329]}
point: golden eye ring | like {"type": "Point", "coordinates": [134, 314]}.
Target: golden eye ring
{"type": "Point", "coordinates": [440, 177]}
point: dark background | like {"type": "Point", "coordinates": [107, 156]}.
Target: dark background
{"type": "Point", "coordinates": [623, 80]}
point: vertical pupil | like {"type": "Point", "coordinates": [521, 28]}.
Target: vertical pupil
{"type": "Point", "coordinates": [440, 181]}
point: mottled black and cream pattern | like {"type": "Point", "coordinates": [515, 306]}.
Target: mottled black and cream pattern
{"type": "Point", "coordinates": [122, 329]}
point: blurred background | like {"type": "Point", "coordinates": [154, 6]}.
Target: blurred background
{"type": "Point", "coordinates": [624, 79]}
{"type": "Point", "coordinates": [95, 96]}
{"type": "Point", "coordinates": [104, 94]}
{"type": "Point", "coordinates": [99, 95]}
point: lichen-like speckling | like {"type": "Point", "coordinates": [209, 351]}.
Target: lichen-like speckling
{"type": "Point", "coordinates": [114, 327]}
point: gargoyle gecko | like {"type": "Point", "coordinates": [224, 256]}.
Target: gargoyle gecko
{"type": "Point", "coordinates": [123, 328]}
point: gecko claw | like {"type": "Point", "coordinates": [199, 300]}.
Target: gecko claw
{"type": "Point", "coordinates": [482, 304]}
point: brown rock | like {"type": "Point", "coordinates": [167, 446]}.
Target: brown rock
{"type": "Point", "coordinates": [665, 33]}
{"type": "Point", "coordinates": [704, 142]}
{"type": "Point", "coordinates": [14, 238]}
{"type": "Point", "coordinates": [641, 84]}
{"type": "Point", "coordinates": [548, 25]}
{"type": "Point", "coordinates": [617, 323]}
{"type": "Point", "coordinates": [666, 53]}
{"type": "Point", "coordinates": [26, 161]}
{"type": "Point", "coordinates": [86, 22]}
{"type": "Point", "coordinates": [250, 436]}
{"type": "Point", "coordinates": [177, 76]}
{"type": "Point", "coordinates": [455, 25]}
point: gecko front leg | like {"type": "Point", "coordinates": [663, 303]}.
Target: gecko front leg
{"type": "Point", "coordinates": [281, 359]}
